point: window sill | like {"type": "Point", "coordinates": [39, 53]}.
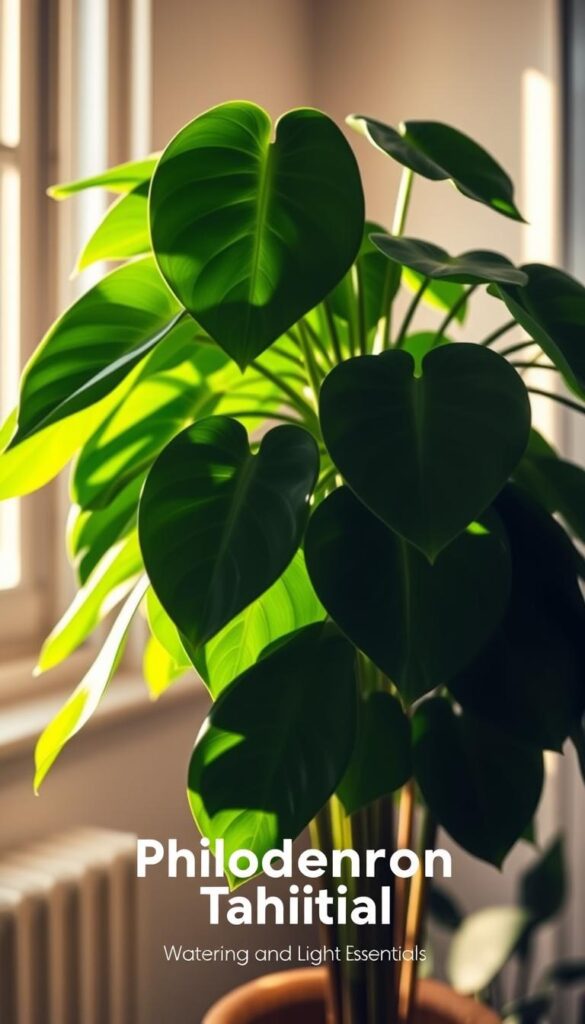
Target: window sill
{"type": "Point", "coordinates": [22, 720]}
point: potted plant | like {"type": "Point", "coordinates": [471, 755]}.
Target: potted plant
{"type": "Point", "coordinates": [346, 525]}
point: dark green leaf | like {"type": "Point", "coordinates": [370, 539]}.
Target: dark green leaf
{"type": "Point", "coordinates": [529, 680]}
{"type": "Point", "coordinates": [444, 910]}
{"type": "Point", "coordinates": [122, 178]}
{"type": "Point", "coordinates": [483, 945]}
{"type": "Point", "coordinates": [530, 1009]}
{"type": "Point", "coordinates": [381, 760]}
{"type": "Point", "coordinates": [288, 605]}
{"type": "Point", "coordinates": [440, 152]}
{"type": "Point", "coordinates": [418, 345]}
{"type": "Point", "coordinates": [418, 622]}
{"type": "Point", "coordinates": [566, 972]}
{"type": "Point", "coordinates": [578, 741]}
{"type": "Point", "coordinates": [251, 234]}
{"type": "Point", "coordinates": [480, 785]}
{"type": "Point", "coordinates": [427, 455]}
{"type": "Point", "coordinates": [558, 485]}
{"type": "Point", "coordinates": [276, 743]}
{"type": "Point", "coordinates": [218, 525]}
{"type": "Point", "coordinates": [122, 233]}
{"type": "Point", "coordinates": [551, 308]}
{"type": "Point", "coordinates": [543, 887]}
{"type": "Point", "coordinates": [95, 344]}
{"type": "Point", "coordinates": [475, 267]}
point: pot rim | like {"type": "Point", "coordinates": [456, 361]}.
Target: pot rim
{"type": "Point", "coordinates": [309, 983]}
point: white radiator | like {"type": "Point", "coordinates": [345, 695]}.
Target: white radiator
{"type": "Point", "coordinates": [68, 930]}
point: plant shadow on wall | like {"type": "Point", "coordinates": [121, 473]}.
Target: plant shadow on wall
{"type": "Point", "coordinates": [347, 526]}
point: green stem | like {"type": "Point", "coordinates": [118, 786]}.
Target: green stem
{"type": "Point", "coordinates": [284, 354]}
{"type": "Point", "coordinates": [499, 332]}
{"type": "Point", "coordinates": [332, 328]}
{"type": "Point", "coordinates": [312, 368]}
{"type": "Point", "coordinates": [318, 341]}
{"type": "Point", "coordinates": [295, 400]}
{"type": "Point", "coordinates": [534, 366]}
{"type": "Point", "coordinates": [361, 306]}
{"type": "Point", "coordinates": [518, 347]}
{"type": "Point", "coordinates": [454, 311]}
{"type": "Point", "coordinates": [558, 398]}
{"type": "Point", "coordinates": [265, 414]}
{"type": "Point", "coordinates": [411, 311]}
{"type": "Point", "coordinates": [402, 202]}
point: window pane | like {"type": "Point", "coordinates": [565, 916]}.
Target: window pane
{"type": "Point", "coordinates": [10, 72]}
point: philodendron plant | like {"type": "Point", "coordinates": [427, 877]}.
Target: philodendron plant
{"type": "Point", "coordinates": [346, 525]}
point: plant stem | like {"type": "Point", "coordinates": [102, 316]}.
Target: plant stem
{"type": "Point", "coordinates": [402, 201]}
{"type": "Point", "coordinates": [297, 401]}
{"type": "Point", "coordinates": [330, 320]}
{"type": "Point", "coordinates": [558, 398]}
{"type": "Point", "coordinates": [322, 839]}
{"type": "Point", "coordinates": [414, 921]}
{"type": "Point", "coordinates": [279, 417]}
{"type": "Point", "coordinates": [318, 342]}
{"type": "Point", "coordinates": [411, 311]}
{"type": "Point", "coordinates": [361, 307]}
{"type": "Point", "coordinates": [498, 333]}
{"type": "Point", "coordinates": [312, 368]}
{"type": "Point", "coordinates": [527, 343]}
{"type": "Point", "coordinates": [534, 366]}
{"type": "Point", "coordinates": [453, 312]}
{"type": "Point", "coordinates": [403, 842]}
{"type": "Point", "coordinates": [285, 354]}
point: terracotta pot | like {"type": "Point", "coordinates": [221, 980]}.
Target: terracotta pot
{"type": "Point", "coordinates": [298, 997]}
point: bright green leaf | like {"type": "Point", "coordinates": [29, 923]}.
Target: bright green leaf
{"type": "Point", "coordinates": [476, 267]}
{"type": "Point", "coordinates": [122, 178]}
{"type": "Point", "coordinates": [368, 286]}
{"type": "Point", "coordinates": [288, 605]}
{"type": "Point", "coordinates": [159, 668]}
{"type": "Point", "coordinates": [439, 152]}
{"type": "Point", "coordinates": [276, 743]}
{"type": "Point", "coordinates": [250, 233]}
{"type": "Point", "coordinates": [381, 760]}
{"type": "Point", "coordinates": [218, 525]}
{"type": "Point", "coordinates": [85, 699]}
{"type": "Point", "coordinates": [110, 582]}
{"type": "Point", "coordinates": [483, 945]}
{"type": "Point", "coordinates": [94, 345]}
{"type": "Point", "coordinates": [419, 623]}
{"type": "Point", "coordinates": [428, 454]}
{"type": "Point", "coordinates": [418, 345]}
{"type": "Point", "coordinates": [480, 785]}
{"type": "Point", "coordinates": [122, 233]}
{"type": "Point", "coordinates": [91, 533]}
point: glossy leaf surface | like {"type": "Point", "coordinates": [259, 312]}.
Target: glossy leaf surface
{"type": "Point", "coordinates": [250, 233]}
{"type": "Point", "coordinates": [94, 345]}
{"type": "Point", "coordinates": [85, 699]}
{"type": "Point", "coordinates": [419, 623]}
{"type": "Point", "coordinates": [551, 308]}
{"type": "Point", "coordinates": [428, 454]}
{"type": "Point", "coordinates": [475, 267]}
{"type": "Point", "coordinates": [218, 525]}
{"type": "Point", "coordinates": [439, 152]}
{"type": "Point", "coordinates": [90, 533]}
{"type": "Point", "coordinates": [480, 785]}
{"type": "Point", "coordinates": [381, 760]}
{"type": "Point", "coordinates": [276, 743]}
{"type": "Point", "coordinates": [121, 178]}
{"type": "Point", "coordinates": [289, 604]}
{"type": "Point", "coordinates": [122, 233]}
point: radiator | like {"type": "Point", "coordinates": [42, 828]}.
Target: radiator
{"type": "Point", "coordinates": [68, 930]}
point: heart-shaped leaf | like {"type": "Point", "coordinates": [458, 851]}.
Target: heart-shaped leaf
{"type": "Point", "coordinates": [419, 623]}
{"type": "Point", "coordinates": [480, 785]}
{"type": "Point", "coordinates": [427, 455]}
{"type": "Point", "coordinates": [483, 945]}
{"type": "Point", "coordinates": [87, 696]}
{"type": "Point", "coordinates": [122, 178]}
{"type": "Point", "coordinates": [95, 344]}
{"type": "Point", "coordinates": [288, 605]}
{"type": "Point", "coordinates": [250, 233]}
{"type": "Point", "coordinates": [276, 743]}
{"type": "Point", "coordinates": [218, 525]}
{"type": "Point", "coordinates": [551, 308]}
{"type": "Point", "coordinates": [475, 267]}
{"type": "Point", "coordinates": [381, 760]}
{"type": "Point", "coordinates": [530, 679]}
{"type": "Point", "coordinates": [122, 233]}
{"type": "Point", "coordinates": [440, 152]}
